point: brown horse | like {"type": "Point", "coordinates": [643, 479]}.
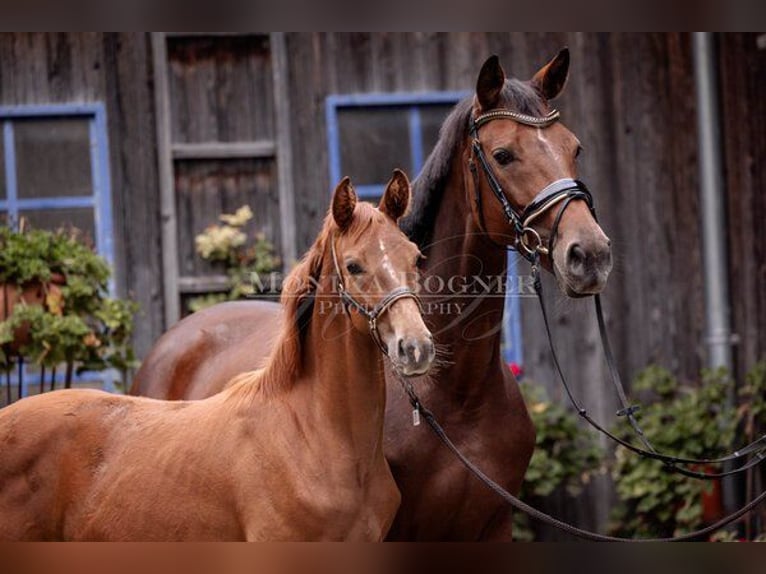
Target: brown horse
{"type": "Point", "coordinates": [292, 452]}
{"type": "Point", "coordinates": [460, 226]}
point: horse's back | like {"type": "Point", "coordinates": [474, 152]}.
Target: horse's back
{"type": "Point", "coordinates": [197, 357]}
{"type": "Point", "coordinates": [43, 441]}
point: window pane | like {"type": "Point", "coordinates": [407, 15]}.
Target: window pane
{"type": "Point", "coordinates": [3, 194]}
{"type": "Point", "coordinates": [373, 141]}
{"type": "Point", "coordinates": [431, 119]}
{"type": "Point", "coordinates": [53, 219]}
{"type": "Point", "coordinates": [53, 157]}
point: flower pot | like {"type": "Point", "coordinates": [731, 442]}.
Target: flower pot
{"type": "Point", "coordinates": [32, 293]}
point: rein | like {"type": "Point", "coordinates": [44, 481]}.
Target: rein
{"type": "Point", "coordinates": [564, 192]}
{"type": "Point", "coordinates": [419, 409]}
{"type": "Point", "coordinates": [372, 315]}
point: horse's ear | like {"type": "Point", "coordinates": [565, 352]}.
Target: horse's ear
{"type": "Point", "coordinates": [396, 198]}
{"type": "Point", "coordinates": [343, 204]}
{"type": "Point", "coordinates": [551, 78]}
{"type": "Point", "coordinates": [490, 83]}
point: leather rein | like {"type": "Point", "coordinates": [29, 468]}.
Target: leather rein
{"type": "Point", "coordinates": [372, 315]}
{"type": "Point", "coordinates": [530, 245]}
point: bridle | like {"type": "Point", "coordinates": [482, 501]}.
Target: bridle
{"type": "Point", "coordinates": [372, 315]}
{"type": "Point", "coordinates": [563, 192]}
{"type": "Point", "coordinates": [560, 192]}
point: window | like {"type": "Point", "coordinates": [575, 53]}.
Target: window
{"type": "Point", "coordinates": [54, 171]}
{"type": "Point", "coordinates": [371, 134]}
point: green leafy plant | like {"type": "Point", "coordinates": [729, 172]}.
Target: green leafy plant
{"type": "Point", "coordinates": [693, 422]}
{"type": "Point", "coordinates": [76, 321]}
{"type": "Point", "coordinates": [226, 244]}
{"type": "Point", "coordinates": [564, 459]}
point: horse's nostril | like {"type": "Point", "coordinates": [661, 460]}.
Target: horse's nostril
{"type": "Point", "coordinates": [576, 256]}
{"type": "Point", "coordinates": [400, 348]}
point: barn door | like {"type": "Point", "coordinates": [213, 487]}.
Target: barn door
{"type": "Point", "coordinates": [223, 142]}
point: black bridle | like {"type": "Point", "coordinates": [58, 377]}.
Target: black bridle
{"type": "Point", "coordinates": [372, 315]}
{"type": "Point", "coordinates": [564, 192]}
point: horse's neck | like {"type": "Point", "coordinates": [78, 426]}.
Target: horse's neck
{"type": "Point", "coordinates": [343, 378]}
{"type": "Point", "coordinates": [459, 249]}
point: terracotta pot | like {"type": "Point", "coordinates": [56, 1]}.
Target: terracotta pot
{"type": "Point", "coordinates": [32, 293]}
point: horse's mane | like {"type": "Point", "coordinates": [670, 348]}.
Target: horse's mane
{"type": "Point", "coordinates": [285, 363]}
{"type": "Point", "coordinates": [429, 186]}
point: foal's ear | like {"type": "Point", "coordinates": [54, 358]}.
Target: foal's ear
{"type": "Point", "coordinates": [397, 196]}
{"type": "Point", "coordinates": [343, 204]}
{"type": "Point", "coordinates": [550, 79]}
{"type": "Point", "coordinates": [490, 83]}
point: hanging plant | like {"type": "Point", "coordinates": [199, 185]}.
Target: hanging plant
{"type": "Point", "coordinates": [56, 306]}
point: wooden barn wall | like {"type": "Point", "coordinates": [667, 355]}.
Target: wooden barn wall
{"type": "Point", "coordinates": [743, 101]}
{"type": "Point", "coordinates": [115, 69]}
{"type": "Point", "coordinates": [630, 99]}
{"type": "Point", "coordinates": [221, 90]}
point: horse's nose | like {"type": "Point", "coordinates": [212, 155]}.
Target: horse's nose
{"type": "Point", "coordinates": [588, 265]}
{"type": "Point", "coordinates": [416, 354]}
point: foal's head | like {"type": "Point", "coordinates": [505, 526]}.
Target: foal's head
{"type": "Point", "coordinates": [376, 265]}
{"type": "Point", "coordinates": [525, 159]}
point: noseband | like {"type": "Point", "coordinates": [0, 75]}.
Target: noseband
{"type": "Point", "coordinates": [381, 307]}
{"type": "Point", "coordinates": [562, 191]}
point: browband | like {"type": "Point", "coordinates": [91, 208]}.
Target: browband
{"type": "Point", "coordinates": [526, 119]}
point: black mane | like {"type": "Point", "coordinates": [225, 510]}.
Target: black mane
{"type": "Point", "coordinates": [429, 186]}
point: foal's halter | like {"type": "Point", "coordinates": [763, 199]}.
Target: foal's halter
{"type": "Point", "coordinates": [381, 307]}
{"type": "Point", "coordinates": [562, 191]}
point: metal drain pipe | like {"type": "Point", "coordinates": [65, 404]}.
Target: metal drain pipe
{"type": "Point", "coordinates": [713, 219]}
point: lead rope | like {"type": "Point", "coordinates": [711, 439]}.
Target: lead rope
{"type": "Point", "coordinates": [420, 410]}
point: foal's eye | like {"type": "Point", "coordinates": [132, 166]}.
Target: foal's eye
{"type": "Point", "coordinates": [503, 156]}
{"type": "Point", "coordinates": [354, 268]}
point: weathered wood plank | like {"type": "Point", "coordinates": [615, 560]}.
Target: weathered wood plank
{"type": "Point", "coordinates": [224, 150]}
{"type": "Point", "coordinates": [170, 264]}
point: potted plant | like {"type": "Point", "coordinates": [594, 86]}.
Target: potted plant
{"type": "Point", "coordinates": [56, 307]}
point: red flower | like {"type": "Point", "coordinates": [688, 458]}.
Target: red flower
{"type": "Point", "coordinates": [516, 369]}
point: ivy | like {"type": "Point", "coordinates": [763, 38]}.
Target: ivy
{"type": "Point", "coordinates": [564, 459]}
{"type": "Point", "coordinates": [690, 421]}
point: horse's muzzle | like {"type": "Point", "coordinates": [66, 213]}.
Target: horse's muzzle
{"type": "Point", "coordinates": [586, 267]}
{"type": "Point", "coordinates": [414, 356]}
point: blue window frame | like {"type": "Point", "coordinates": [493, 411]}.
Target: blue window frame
{"type": "Point", "coordinates": [87, 200]}
{"type": "Point", "coordinates": [370, 134]}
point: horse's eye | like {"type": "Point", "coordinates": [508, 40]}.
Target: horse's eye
{"type": "Point", "coordinates": [578, 151]}
{"type": "Point", "coordinates": [503, 156]}
{"type": "Point", "coordinates": [354, 268]}
{"type": "Point", "coordinates": [420, 260]}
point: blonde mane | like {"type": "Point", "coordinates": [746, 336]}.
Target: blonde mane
{"type": "Point", "coordinates": [285, 364]}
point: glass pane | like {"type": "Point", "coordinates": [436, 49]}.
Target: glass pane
{"type": "Point", "coordinates": [431, 119]}
{"type": "Point", "coordinates": [373, 141]}
{"type": "Point", "coordinates": [53, 157]}
{"type": "Point", "coordinates": [52, 219]}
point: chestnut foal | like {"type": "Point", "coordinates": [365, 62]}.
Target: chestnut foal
{"type": "Point", "coordinates": [290, 452]}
